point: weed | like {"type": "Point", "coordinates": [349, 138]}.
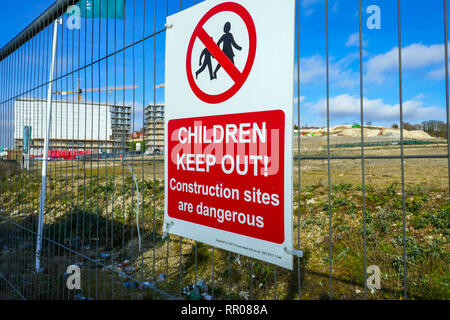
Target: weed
{"type": "Point", "coordinates": [341, 187]}
{"type": "Point", "coordinates": [391, 191]}
{"type": "Point", "coordinates": [262, 272]}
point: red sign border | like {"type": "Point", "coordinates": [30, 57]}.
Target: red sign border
{"type": "Point", "coordinates": [246, 17]}
{"type": "Point", "coordinates": [282, 139]}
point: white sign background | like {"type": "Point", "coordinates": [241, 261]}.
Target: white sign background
{"type": "Point", "coordinates": [269, 86]}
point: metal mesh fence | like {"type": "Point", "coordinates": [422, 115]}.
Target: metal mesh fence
{"type": "Point", "coordinates": [364, 205]}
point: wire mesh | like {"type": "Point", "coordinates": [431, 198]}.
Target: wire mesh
{"type": "Point", "coordinates": [105, 188]}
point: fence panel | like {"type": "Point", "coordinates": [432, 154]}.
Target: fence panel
{"type": "Point", "coordinates": [370, 203]}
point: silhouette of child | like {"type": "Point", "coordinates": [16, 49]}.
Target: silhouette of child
{"type": "Point", "coordinates": [228, 44]}
{"type": "Point", "coordinates": [206, 63]}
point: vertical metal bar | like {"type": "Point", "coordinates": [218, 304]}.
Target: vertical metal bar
{"type": "Point", "coordinates": [181, 239]}
{"type": "Point", "coordinates": [447, 92]}
{"type": "Point", "coordinates": [63, 190]}
{"type": "Point", "coordinates": [401, 148]}
{"type": "Point", "coordinates": [123, 146]}
{"type": "Point", "coordinates": [15, 267]}
{"type": "Point", "coordinates": [154, 146]}
{"type": "Point", "coordinates": [85, 146]}
{"type": "Point", "coordinates": [14, 90]}
{"type": "Point", "coordinates": [107, 114]}
{"type": "Point", "coordinates": [55, 144]}
{"type": "Point", "coordinates": [275, 282]}
{"type": "Point", "coordinates": [98, 237]}
{"type": "Point", "coordinates": [298, 147]}
{"type": "Point", "coordinates": [8, 210]}
{"type": "Point", "coordinates": [75, 204]}
{"type": "Point", "coordinates": [7, 186]}
{"type": "Point", "coordinates": [251, 278]}
{"type": "Point", "coordinates": [362, 150]}
{"type": "Point", "coordinates": [44, 122]}
{"type": "Point", "coordinates": [3, 184]}
{"type": "Point", "coordinates": [92, 153]}
{"type": "Point", "coordinates": [328, 160]}
{"type": "Point", "coordinates": [50, 246]}
{"type": "Point", "coordinates": [229, 275]}
{"type": "Point", "coordinates": [143, 149]}
{"type": "Point", "coordinates": [181, 271]}
{"type": "Point", "coordinates": [195, 263]}
{"type": "Point", "coordinates": [97, 148]}
{"type": "Point", "coordinates": [212, 275]}
{"type": "Point", "coordinates": [134, 110]}
{"type": "Point", "coordinates": [114, 150]}
{"type": "Point", "coordinates": [12, 93]}
{"type": "Point", "coordinates": [51, 229]}
{"type": "Point", "coordinates": [67, 148]}
{"type": "Point", "coordinates": [45, 155]}
{"type": "Point", "coordinates": [10, 227]}
{"type": "Point", "coordinates": [13, 264]}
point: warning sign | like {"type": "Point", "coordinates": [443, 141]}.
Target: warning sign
{"type": "Point", "coordinates": [228, 119]}
{"type": "Point", "coordinates": [224, 56]}
{"type": "Point", "coordinates": [232, 181]}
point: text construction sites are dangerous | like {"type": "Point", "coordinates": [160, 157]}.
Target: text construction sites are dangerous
{"type": "Point", "coordinates": [224, 172]}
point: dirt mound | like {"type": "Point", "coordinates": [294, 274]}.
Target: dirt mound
{"type": "Point", "coordinates": [345, 131]}
{"type": "Point", "coordinates": [369, 131]}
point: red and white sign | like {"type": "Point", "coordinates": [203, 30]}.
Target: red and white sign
{"type": "Point", "coordinates": [237, 76]}
{"type": "Point", "coordinates": [226, 172]}
{"type": "Point", "coordinates": [229, 94]}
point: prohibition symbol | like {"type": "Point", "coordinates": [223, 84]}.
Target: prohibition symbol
{"type": "Point", "coordinates": [223, 59]}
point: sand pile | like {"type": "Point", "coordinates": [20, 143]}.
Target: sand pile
{"type": "Point", "coordinates": [369, 131]}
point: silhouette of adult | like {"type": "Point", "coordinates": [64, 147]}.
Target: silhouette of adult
{"type": "Point", "coordinates": [228, 44]}
{"type": "Point", "coordinates": [206, 63]}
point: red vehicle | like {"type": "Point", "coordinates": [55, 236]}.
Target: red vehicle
{"type": "Point", "coordinates": [64, 154]}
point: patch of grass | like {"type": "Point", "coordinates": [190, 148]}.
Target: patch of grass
{"type": "Point", "coordinates": [342, 187]}
{"type": "Point", "coordinates": [262, 273]}
{"type": "Point", "coordinates": [439, 220]}
{"type": "Point", "coordinates": [427, 218]}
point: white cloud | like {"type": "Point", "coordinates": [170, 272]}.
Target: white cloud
{"type": "Point", "coordinates": [353, 40]}
{"type": "Point", "coordinates": [302, 98]}
{"type": "Point", "coordinates": [348, 107]}
{"type": "Point", "coordinates": [335, 6]}
{"type": "Point", "coordinates": [308, 3]}
{"type": "Point", "coordinates": [313, 70]}
{"type": "Point", "coordinates": [437, 74]}
{"type": "Point", "coordinates": [414, 56]}
{"type": "Point", "coordinates": [307, 6]}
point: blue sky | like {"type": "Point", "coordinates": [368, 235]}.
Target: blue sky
{"type": "Point", "coordinates": [422, 41]}
{"type": "Point", "coordinates": [423, 61]}
{"type": "Point", "coordinates": [17, 15]}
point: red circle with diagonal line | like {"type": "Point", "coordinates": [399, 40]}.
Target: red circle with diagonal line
{"type": "Point", "coordinates": [238, 77]}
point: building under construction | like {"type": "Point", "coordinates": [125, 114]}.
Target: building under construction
{"type": "Point", "coordinates": [154, 128]}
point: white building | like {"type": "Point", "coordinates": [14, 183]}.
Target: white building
{"type": "Point", "coordinates": [74, 125]}
{"type": "Point", "coordinates": [154, 127]}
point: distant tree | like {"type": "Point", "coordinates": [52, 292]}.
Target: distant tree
{"type": "Point", "coordinates": [408, 126]}
{"type": "Point", "coordinates": [435, 128]}
{"type": "Point", "coordinates": [394, 126]}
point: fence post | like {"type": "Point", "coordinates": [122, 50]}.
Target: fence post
{"type": "Point", "coordinates": [45, 155]}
